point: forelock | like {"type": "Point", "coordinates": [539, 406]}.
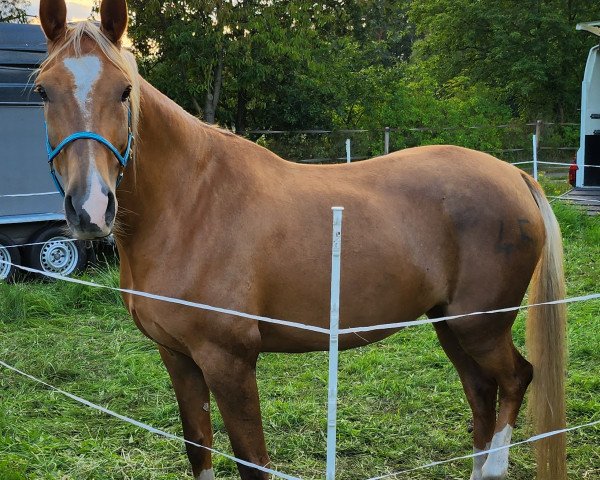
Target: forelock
{"type": "Point", "coordinates": [121, 58]}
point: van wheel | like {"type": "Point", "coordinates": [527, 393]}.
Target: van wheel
{"type": "Point", "coordinates": [8, 253]}
{"type": "Point", "coordinates": [56, 252]}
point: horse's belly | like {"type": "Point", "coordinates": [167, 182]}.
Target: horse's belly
{"type": "Point", "coordinates": [278, 340]}
{"type": "Point", "coordinates": [366, 300]}
{"type": "Point", "coordinates": [388, 275]}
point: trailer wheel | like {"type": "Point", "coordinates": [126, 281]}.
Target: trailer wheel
{"type": "Point", "coordinates": [8, 253]}
{"type": "Point", "coordinates": [56, 252]}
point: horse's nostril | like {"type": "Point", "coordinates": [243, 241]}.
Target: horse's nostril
{"type": "Point", "coordinates": [110, 209]}
{"type": "Point", "coordinates": [70, 211]}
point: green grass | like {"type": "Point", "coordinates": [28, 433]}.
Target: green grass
{"type": "Point", "coordinates": [400, 401]}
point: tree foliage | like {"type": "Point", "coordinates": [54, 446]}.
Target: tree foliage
{"type": "Point", "coordinates": [528, 51]}
{"type": "Point", "coordinates": [194, 49]}
{"type": "Point", "coordinates": [297, 64]}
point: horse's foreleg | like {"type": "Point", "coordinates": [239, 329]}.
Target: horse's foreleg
{"type": "Point", "coordinates": [480, 389]}
{"type": "Point", "coordinates": [193, 398]}
{"type": "Point", "coordinates": [232, 380]}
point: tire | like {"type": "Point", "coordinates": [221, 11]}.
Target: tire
{"type": "Point", "coordinates": [11, 254]}
{"type": "Point", "coordinates": [57, 253]}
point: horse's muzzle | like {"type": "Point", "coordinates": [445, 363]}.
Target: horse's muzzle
{"type": "Point", "coordinates": [89, 221]}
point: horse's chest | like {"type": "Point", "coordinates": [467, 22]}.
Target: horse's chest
{"type": "Point", "coordinates": [154, 325]}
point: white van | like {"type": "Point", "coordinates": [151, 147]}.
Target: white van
{"type": "Point", "coordinates": [589, 147]}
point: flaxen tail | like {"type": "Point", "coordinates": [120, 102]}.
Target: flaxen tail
{"type": "Point", "coordinates": [546, 346]}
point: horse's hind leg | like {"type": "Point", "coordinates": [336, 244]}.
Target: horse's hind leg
{"type": "Point", "coordinates": [193, 399]}
{"type": "Point", "coordinates": [514, 375]}
{"type": "Point", "coordinates": [487, 340]}
{"type": "Point", "coordinates": [480, 389]}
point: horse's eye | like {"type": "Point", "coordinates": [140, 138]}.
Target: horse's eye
{"type": "Point", "coordinates": [41, 92]}
{"type": "Point", "coordinates": [126, 94]}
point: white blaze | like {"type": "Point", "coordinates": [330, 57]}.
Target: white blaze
{"type": "Point", "coordinates": [86, 71]}
{"type": "Point", "coordinates": [97, 202]}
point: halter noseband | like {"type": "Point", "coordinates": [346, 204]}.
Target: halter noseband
{"type": "Point", "coordinates": [121, 158]}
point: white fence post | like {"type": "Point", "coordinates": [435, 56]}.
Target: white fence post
{"type": "Point", "coordinates": [334, 325]}
{"type": "Point", "coordinates": [348, 151]}
{"type": "Point", "coordinates": [386, 141]}
{"type": "Point", "coordinates": [535, 157]}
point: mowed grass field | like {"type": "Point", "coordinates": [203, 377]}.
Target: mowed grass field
{"type": "Point", "coordinates": [400, 401]}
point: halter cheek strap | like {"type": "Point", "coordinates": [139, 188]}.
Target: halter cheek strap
{"type": "Point", "coordinates": [123, 159]}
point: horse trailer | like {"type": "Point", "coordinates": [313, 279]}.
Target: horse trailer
{"type": "Point", "coordinates": [588, 155]}
{"type": "Point", "coordinates": [31, 210]}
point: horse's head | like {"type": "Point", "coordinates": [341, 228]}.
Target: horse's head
{"type": "Point", "coordinates": [90, 90]}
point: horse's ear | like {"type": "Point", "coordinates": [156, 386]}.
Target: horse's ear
{"type": "Point", "coordinates": [53, 17]}
{"type": "Point", "coordinates": [113, 16]}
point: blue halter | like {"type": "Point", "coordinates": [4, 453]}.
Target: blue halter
{"type": "Point", "coordinates": [121, 158]}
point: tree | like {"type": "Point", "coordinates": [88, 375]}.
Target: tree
{"type": "Point", "coordinates": [13, 11]}
{"type": "Point", "coordinates": [527, 50]}
{"type": "Point", "coordinates": [192, 48]}
{"type": "Point", "coordinates": [438, 65]}
{"type": "Point", "coordinates": [282, 64]}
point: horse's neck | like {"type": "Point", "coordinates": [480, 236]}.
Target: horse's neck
{"type": "Point", "coordinates": [167, 139]}
{"type": "Point", "coordinates": [167, 134]}
{"type": "Point", "coordinates": [177, 158]}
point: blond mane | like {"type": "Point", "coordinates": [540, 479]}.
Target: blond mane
{"type": "Point", "coordinates": [119, 57]}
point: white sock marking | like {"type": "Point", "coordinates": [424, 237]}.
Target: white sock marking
{"type": "Point", "coordinates": [206, 475]}
{"type": "Point", "coordinates": [496, 465]}
{"type": "Point", "coordinates": [86, 71]}
{"type": "Point", "coordinates": [478, 463]}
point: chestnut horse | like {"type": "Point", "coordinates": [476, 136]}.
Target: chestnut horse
{"type": "Point", "coordinates": [205, 215]}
